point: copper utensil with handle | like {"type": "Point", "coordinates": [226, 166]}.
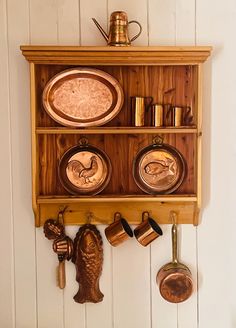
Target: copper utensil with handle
{"type": "Point", "coordinates": [62, 245]}
{"type": "Point", "coordinates": [175, 279]}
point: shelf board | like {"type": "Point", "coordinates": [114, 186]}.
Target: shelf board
{"type": "Point", "coordinates": [116, 199]}
{"type": "Point", "coordinates": [116, 130]}
{"type": "Point", "coordinates": [130, 55]}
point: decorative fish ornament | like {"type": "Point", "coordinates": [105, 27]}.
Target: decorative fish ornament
{"type": "Point", "coordinates": [88, 259]}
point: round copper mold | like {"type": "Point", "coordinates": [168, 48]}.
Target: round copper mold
{"type": "Point", "coordinates": [159, 169]}
{"type": "Point", "coordinates": [85, 170]}
{"type": "Point", "coordinates": [83, 97]}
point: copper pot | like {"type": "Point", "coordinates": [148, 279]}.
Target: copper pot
{"type": "Point", "coordinates": [175, 279]}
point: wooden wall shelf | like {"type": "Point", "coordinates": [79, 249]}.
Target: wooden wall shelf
{"type": "Point", "coordinates": [145, 71]}
{"type": "Point", "coordinates": [118, 130]}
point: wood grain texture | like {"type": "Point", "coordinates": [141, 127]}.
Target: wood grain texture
{"type": "Point", "coordinates": [52, 148]}
{"type": "Point", "coordinates": [116, 55]}
{"type": "Point", "coordinates": [104, 211]}
{"type": "Point", "coordinates": [164, 84]}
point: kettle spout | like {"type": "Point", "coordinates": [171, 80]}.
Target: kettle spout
{"type": "Point", "coordinates": [104, 34]}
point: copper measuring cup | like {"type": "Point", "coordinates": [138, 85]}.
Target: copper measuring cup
{"type": "Point", "coordinates": [118, 231]}
{"type": "Point", "coordinates": [175, 279]}
{"type": "Point", "coordinates": [147, 231]}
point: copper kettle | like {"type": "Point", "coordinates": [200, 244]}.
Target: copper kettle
{"type": "Point", "coordinates": [118, 31]}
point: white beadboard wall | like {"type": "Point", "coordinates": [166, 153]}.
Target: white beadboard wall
{"type": "Point", "coordinates": [29, 297]}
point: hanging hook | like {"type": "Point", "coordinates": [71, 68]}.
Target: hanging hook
{"type": "Point", "coordinates": [90, 217]}
{"type": "Point", "coordinates": [174, 217]}
{"type": "Point", "coordinates": [60, 216]}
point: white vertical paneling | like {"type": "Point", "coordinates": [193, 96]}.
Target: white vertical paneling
{"type": "Point", "coordinates": [185, 22]}
{"type": "Point", "coordinates": [44, 29]}
{"type": "Point", "coordinates": [74, 312]}
{"type": "Point", "coordinates": [217, 232]}
{"type": "Point", "coordinates": [90, 35]}
{"type": "Point", "coordinates": [131, 285]}
{"type": "Point", "coordinates": [7, 313]}
{"type": "Point", "coordinates": [68, 22]}
{"type": "Point", "coordinates": [162, 29]}
{"type": "Point", "coordinates": [164, 314]}
{"type": "Point", "coordinates": [100, 315]}
{"type": "Point", "coordinates": [24, 232]}
{"type": "Point", "coordinates": [136, 10]}
{"type": "Point", "coordinates": [187, 311]}
{"type": "Point", "coordinates": [131, 261]}
{"type": "Point", "coordinates": [50, 297]}
{"type": "Point", "coordinates": [44, 22]}
{"type": "Point", "coordinates": [162, 20]}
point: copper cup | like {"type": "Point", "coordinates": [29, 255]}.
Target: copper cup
{"type": "Point", "coordinates": [118, 231]}
{"type": "Point", "coordinates": [147, 231]}
{"type": "Point", "coordinates": [175, 116]}
{"type": "Point", "coordinates": [157, 115]}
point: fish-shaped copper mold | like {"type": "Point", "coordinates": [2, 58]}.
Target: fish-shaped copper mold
{"type": "Point", "coordinates": [83, 97]}
{"type": "Point", "coordinates": [88, 259]}
{"type": "Point", "coordinates": [159, 168]}
{"type": "Point", "coordinates": [84, 169]}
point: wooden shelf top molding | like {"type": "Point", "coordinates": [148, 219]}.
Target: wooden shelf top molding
{"type": "Point", "coordinates": [76, 55]}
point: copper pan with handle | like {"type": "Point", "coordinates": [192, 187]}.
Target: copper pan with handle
{"type": "Point", "coordinates": [175, 279]}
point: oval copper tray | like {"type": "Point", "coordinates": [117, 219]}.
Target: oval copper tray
{"type": "Point", "coordinates": [81, 97]}
{"type": "Point", "coordinates": [84, 170]}
{"type": "Point", "coordinates": [159, 169]}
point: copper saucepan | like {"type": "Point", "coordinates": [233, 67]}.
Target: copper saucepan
{"type": "Point", "coordinates": [175, 279]}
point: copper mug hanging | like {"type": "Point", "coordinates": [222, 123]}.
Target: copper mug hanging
{"type": "Point", "coordinates": [139, 106]}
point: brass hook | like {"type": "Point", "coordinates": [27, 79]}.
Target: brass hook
{"type": "Point", "coordinates": [145, 215]}
{"type": "Point", "coordinates": [174, 217]}
{"type": "Point", "coordinates": [60, 216]}
{"type": "Point", "coordinates": [90, 217]}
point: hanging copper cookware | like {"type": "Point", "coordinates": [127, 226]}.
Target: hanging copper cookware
{"type": "Point", "coordinates": [84, 169]}
{"type": "Point", "coordinates": [175, 279]}
{"type": "Point", "coordinates": [159, 168]}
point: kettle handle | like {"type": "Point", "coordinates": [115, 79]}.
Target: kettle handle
{"type": "Point", "coordinates": [140, 31]}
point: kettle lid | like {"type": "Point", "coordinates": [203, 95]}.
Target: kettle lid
{"type": "Point", "coordinates": [119, 15]}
